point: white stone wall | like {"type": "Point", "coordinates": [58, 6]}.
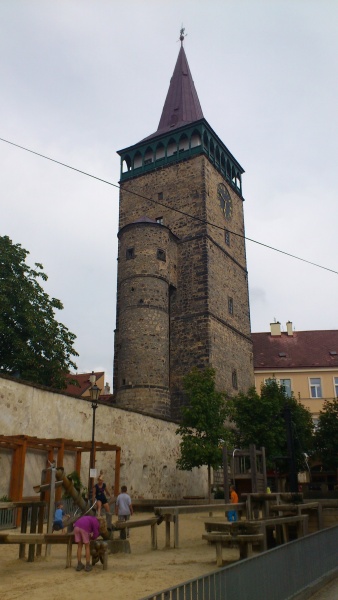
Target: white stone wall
{"type": "Point", "coordinates": [149, 446]}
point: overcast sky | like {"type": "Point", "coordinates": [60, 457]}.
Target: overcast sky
{"type": "Point", "coordinates": [81, 79]}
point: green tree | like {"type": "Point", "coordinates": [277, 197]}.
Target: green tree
{"type": "Point", "coordinates": [260, 419]}
{"type": "Point", "coordinates": [326, 436]}
{"type": "Point", "coordinates": [33, 345]}
{"type": "Point", "coordinates": [202, 426]}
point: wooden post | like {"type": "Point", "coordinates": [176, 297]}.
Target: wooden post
{"type": "Point", "coordinates": [24, 519]}
{"type": "Point", "coordinates": [59, 463]}
{"type": "Point", "coordinates": [154, 536]}
{"type": "Point", "coordinates": [34, 519]}
{"type": "Point", "coordinates": [167, 530]}
{"type": "Point", "coordinates": [117, 471]}
{"type": "Point", "coordinates": [176, 532]}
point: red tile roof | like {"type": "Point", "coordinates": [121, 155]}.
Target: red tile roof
{"type": "Point", "coordinates": [302, 349]}
{"type": "Point", "coordinates": [83, 381]}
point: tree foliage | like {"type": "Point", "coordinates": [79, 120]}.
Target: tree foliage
{"type": "Point", "coordinates": [202, 428]}
{"type": "Point", "coordinates": [326, 436]}
{"type": "Point", "coordinates": [260, 420]}
{"type": "Point", "coordinates": [33, 345]}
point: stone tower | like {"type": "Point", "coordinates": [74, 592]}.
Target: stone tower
{"type": "Point", "coordinates": [182, 286]}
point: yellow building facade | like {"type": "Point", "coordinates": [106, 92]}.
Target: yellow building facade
{"type": "Point", "coordinates": [304, 362]}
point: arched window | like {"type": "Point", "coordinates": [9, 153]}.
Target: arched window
{"type": "Point", "coordinates": [149, 156]}
{"type": "Point", "coordinates": [183, 143]}
{"type": "Point", "coordinates": [126, 163]}
{"type": "Point", "coordinates": [205, 141]}
{"type": "Point", "coordinates": [137, 160]}
{"type": "Point", "coordinates": [172, 147]}
{"type": "Point", "coordinates": [160, 151]}
{"type": "Point", "coordinates": [195, 139]}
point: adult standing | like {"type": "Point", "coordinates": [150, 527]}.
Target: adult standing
{"type": "Point", "coordinates": [86, 528]}
{"type": "Point", "coordinates": [123, 510]}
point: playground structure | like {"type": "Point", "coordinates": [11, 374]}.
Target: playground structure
{"type": "Point", "coordinates": [55, 450]}
{"type": "Point", "coordinates": [246, 469]}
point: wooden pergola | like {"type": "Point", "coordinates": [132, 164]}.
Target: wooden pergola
{"type": "Point", "coordinates": [20, 443]}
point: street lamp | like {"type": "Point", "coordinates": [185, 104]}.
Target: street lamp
{"type": "Point", "coordinates": [94, 396]}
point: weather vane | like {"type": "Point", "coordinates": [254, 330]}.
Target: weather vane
{"type": "Point", "coordinates": [182, 35]}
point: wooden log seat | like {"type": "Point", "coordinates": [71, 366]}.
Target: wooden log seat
{"type": "Point", "coordinates": [244, 541]}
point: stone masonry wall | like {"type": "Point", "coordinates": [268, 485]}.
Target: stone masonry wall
{"type": "Point", "coordinates": [149, 446]}
{"type": "Point", "coordinates": [210, 272]}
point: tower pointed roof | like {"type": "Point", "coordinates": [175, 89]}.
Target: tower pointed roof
{"type": "Point", "coordinates": [182, 105]}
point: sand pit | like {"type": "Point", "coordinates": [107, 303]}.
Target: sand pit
{"type": "Point", "coordinates": [129, 576]}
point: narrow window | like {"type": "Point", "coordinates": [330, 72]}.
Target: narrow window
{"type": "Point", "coordinates": [159, 220]}
{"type": "Point", "coordinates": [130, 253]}
{"type": "Point", "coordinates": [234, 379]}
{"type": "Point", "coordinates": [160, 196]}
{"type": "Point", "coordinates": [336, 386]}
{"type": "Point", "coordinates": [161, 255]}
{"type": "Point", "coordinates": [286, 385]}
{"type": "Point", "coordinates": [315, 387]}
{"type": "Point", "coordinates": [230, 306]}
{"type": "Point", "coordinates": [227, 237]}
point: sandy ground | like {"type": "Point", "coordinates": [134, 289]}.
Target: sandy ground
{"type": "Point", "coordinates": [129, 576]}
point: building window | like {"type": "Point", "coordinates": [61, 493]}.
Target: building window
{"type": "Point", "coordinates": [161, 254]}
{"type": "Point", "coordinates": [130, 253]}
{"type": "Point", "coordinates": [315, 387]}
{"type": "Point", "coordinates": [159, 220]}
{"type": "Point", "coordinates": [160, 196]}
{"type": "Point", "coordinates": [286, 385]}
{"type": "Point", "coordinates": [230, 306]}
{"type": "Point", "coordinates": [227, 237]}
{"type": "Point", "coordinates": [234, 379]}
{"type": "Point", "coordinates": [336, 386]}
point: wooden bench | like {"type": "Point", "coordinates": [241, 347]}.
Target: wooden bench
{"type": "Point", "coordinates": [153, 522]}
{"type": "Point", "coordinates": [49, 538]}
{"type": "Point", "coordinates": [280, 524]}
{"type": "Point", "coordinates": [170, 514]}
{"type": "Point", "coordinates": [244, 541]}
{"type": "Point", "coordinates": [38, 538]}
{"type": "Point", "coordinates": [299, 509]}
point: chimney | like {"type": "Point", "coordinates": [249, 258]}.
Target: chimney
{"type": "Point", "coordinates": [275, 328]}
{"type": "Point", "coordinates": [289, 328]}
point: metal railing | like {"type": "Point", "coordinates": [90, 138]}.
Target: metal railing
{"type": "Point", "coordinates": [281, 573]}
{"type": "Point", "coordinates": [8, 518]}
{"type": "Point", "coordinates": [8, 515]}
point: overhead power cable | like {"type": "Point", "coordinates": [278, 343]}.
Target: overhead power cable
{"type": "Point", "coordinates": [309, 262]}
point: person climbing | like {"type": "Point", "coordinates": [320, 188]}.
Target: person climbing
{"type": "Point", "coordinates": [59, 517]}
{"type": "Point", "coordinates": [100, 493]}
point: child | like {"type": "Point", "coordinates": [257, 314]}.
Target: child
{"type": "Point", "coordinates": [59, 517]}
{"type": "Point", "coordinates": [123, 509]}
{"type": "Point", "coordinates": [86, 528]}
{"type": "Point", "coordinates": [232, 514]}
{"type": "Point", "coordinates": [99, 493]}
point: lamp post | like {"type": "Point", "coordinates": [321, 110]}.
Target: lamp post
{"type": "Point", "coordinates": [94, 396]}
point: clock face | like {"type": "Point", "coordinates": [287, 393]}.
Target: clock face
{"type": "Point", "coordinates": [224, 200]}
